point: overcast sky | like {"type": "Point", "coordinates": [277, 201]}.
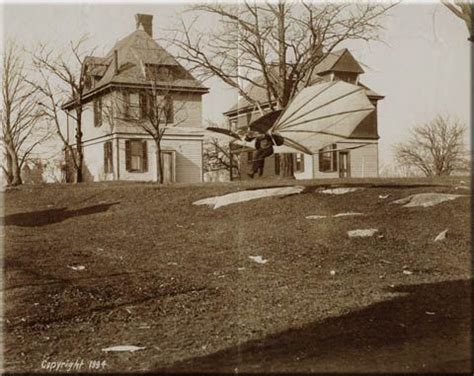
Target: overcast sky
{"type": "Point", "coordinates": [422, 68]}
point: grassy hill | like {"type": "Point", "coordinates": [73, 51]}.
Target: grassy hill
{"type": "Point", "coordinates": [177, 279]}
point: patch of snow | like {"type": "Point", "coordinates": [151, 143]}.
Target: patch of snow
{"type": "Point", "coordinates": [122, 348]}
{"type": "Point", "coordinates": [383, 197]}
{"type": "Point", "coordinates": [332, 272]}
{"type": "Point", "coordinates": [243, 196]}
{"type": "Point", "coordinates": [461, 187]}
{"type": "Point", "coordinates": [362, 233]}
{"type": "Point", "coordinates": [348, 214]}
{"type": "Point", "coordinates": [441, 236]}
{"type": "Point", "coordinates": [407, 272]}
{"type": "Point", "coordinates": [77, 268]}
{"type": "Point", "coordinates": [258, 259]}
{"type": "Point", "coordinates": [340, 191]}
{"type": "Point", "coordinates": [426, 199]}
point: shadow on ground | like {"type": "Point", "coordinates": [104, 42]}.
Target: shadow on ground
{"type": "Point", "coordinates": [426, 328]}
{"type": "Point", "coordinates": [47, 217]}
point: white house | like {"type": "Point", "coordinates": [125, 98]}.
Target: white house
{"type": "Point", "coordinates": [115, 146]}
{"type": "Point", "coordinates": [359, 154]}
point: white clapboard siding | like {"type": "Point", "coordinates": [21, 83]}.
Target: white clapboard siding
{"type": "Point", "coordinates": [363, 161]}
{"type": "Point", "coordinates": [188, 157]}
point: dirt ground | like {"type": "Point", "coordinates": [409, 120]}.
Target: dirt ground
{"type": "Point", "coordinates": [176, 279]}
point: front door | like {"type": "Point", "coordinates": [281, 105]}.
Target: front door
{"type": "Point", "coordinates": [168, 166]}
{"type": "Point", "coordinates": [344, 164]}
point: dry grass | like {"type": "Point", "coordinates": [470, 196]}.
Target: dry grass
{"type": "Point", "coordinates": [176, 278]}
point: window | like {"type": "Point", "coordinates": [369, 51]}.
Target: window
{"type": "Point", "coordinates": [97, 112]}
{"type": "Point", "coordinates": [163, 104]}
{"type": "Point", "coordinates": [299, 162]}
{"type": "Point", "coordinates": [328, 158]}
{"type": "Point", "coordinates": [108, 164]}
{"type": "Point", "coordinates": [136, 156]}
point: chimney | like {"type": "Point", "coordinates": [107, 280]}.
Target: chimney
{"type": "Point", "coordinates": [145, 22]}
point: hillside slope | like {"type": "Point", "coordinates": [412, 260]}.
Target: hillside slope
{"type": "Point", "coordinates": [177, 279]}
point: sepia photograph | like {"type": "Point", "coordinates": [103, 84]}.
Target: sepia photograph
{"type": "Point", "coordinates": [236, 187]}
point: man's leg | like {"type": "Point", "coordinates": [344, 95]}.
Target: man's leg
{"type": "Point", "coordinates": [255, 165]}
{"type": "Point", "coordinates": [261, 167]}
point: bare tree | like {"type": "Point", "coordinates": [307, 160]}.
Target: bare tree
{"type": "Point", "coordinates": [273, 46]}
{"type": "Point", "coordinates": [435, 148]}
{"type": "Point", "coordinates": [156, 113]}
{"type": "Point", "coordinates": [21, 128]}
{"type": "Point", "coordinates": [462, 10]}
{"type": "Point", "coordinates": [217, 155]}
{"type": "Point", "coordinates": [62, 77]}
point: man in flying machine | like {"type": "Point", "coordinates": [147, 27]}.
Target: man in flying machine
{"type": "Point", "coordinates": [319, 115]}
{"type": "Point", "coordinates": [264, 149]}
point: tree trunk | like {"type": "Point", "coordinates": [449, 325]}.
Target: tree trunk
{"type": "Point", "coordinates": [79, 150]}
{"type": "Point", "coordinates": [159, 163]}
{"type": "Point", "coordinates": [13, 170]}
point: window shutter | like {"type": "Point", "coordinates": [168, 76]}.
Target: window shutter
{"type": "Point", "coordinates": [100, 112]}
{"type": "Point", "coordinates": [106, 160]}
{"type": "Point", "coordinates": [321, 161]}
{"type": "Point", "coordinates": [142, 99]}
{"type": "Point", "coordinates": [126, 104]}
{"type": "Point", "coordinates": [145, 156]}
{"type": "Point", "coordinates": [277, 164]}
{"type": "Point", "coordinates": [97, 104]}
{"type": "Point", "coordinates": [334, 157]}
{"type": "Point", "coordinates": [128, 155]}
{"type": "Point", "coordinates": [96, 113]}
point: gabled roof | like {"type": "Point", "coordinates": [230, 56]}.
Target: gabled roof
{"type": "Point", "coordinates": [339, 61]}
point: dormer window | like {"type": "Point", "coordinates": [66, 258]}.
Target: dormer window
{"type": "Point", "coordinates": [349, 77]}
{"type": "Point", "coordinates": [156, 72]}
